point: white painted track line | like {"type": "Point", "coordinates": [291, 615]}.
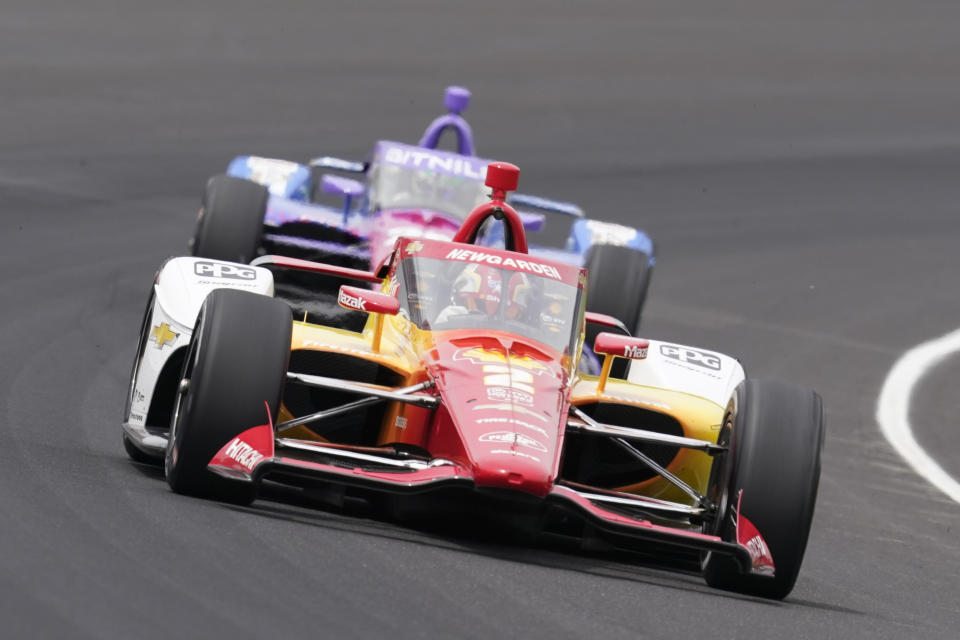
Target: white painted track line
{"type": "Point", "coordinates": [893, 408]}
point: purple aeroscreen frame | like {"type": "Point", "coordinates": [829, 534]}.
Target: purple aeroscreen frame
{"type": "Point", "coordinates": [456, 100]}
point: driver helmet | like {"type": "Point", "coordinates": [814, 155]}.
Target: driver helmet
{"type": "Point", "coordinates": [478, 288]}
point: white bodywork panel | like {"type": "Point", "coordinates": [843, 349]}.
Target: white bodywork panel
{"type": "Point", "coordinates": [696, 371]}
{"type": "Point", "coordinates": [181, 287]}
{"type": "Point", "coordinates": [184, 283]}
{"type": "Point", "coordinates": [271, 173]}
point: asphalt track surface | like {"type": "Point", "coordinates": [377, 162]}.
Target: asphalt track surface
{"type": "Point", "coordinates": [797, 164]}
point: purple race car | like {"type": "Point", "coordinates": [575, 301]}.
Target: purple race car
{"type": "Point", "coordinates": [266, 205]}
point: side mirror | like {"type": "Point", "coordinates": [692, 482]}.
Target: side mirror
{"type": "Point", "coordinates": [613, 346]}
{"type": "Point", "coordinates": [604, 320]}
{"type": "Point", "coordinates": [379, 304]}
{"type": "Point", "coordinates": [610, 344]}
{"type": "Point", "coordinates": [340, 186]}
{"type": "Point", "coordinates": [359, 299]}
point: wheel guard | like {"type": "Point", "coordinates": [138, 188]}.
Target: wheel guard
{"type": "Point", "coordinates": [240, 457]}
{"type": "Point", "coordinates": [749, 538]}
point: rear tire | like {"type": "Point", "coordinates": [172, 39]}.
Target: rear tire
{"type": "Point", "coordinates": [619, 278]}
{"type": "Point", "coordinates": [236, 362]}
{"type": "Point", "coordinates": [230, 224]}
{"type": "Point", "coordinates": [775, 433]}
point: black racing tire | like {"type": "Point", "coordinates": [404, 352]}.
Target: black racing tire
{"type": "Point", "coordinates": [230, 223]}
{"type": "Point", "coordinates": [619, 279]}
{"type": "Point", "coordinates": [774, 433]}
{"type": "Point", "coordinates": [236, 361]}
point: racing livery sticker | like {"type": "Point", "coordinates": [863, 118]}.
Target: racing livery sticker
{"type": "Point", "coordinates": [498, 375]}
{"type": "Point", "coordinates": [514, 421]}
{"type": "Point", "coordinates": [162, 335]}
{"type": "Point", "coordinates": [348, 301]}
{"type": "Point", "coordinates": [530, 266]}
{"type": "Point", "coordinates": [503, 406]}
{"type": "Point", "coordinates": [503, 394]}
{"type": "Point", "coordinates": [610, 233]}
{"type": "Point", "coordinates": [243, 453]}
{"type": "Point", "coordinates": [511, 437]}
{"type": "Point", "coordinates": [510, 452]}
{"type": "Point", "coordinates": [695, 357]}
{"type": "Point", "coordinates": [635, 352]}
{"type": "Point", "coordinates": [440, 162]}
{"type": "Point", "coordinates": [479, 355]}
{"type": "Point", "coordinates": [271, 173]}
{"type": "Point", "coordinates": [500, 258]}
{"type": "Point", "coordinates": [219, 270]}
{"type": "Point", "coordinates": [750, 538]}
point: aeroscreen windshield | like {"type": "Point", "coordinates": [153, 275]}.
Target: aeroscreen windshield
{"type": "Point", "coordinates": [440, 295]}
{"type": "Point", "coordinates": [400, 187]}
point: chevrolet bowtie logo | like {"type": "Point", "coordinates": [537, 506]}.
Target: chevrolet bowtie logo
{"type": "Point", "coordinates": [414, 247]}
{"type": "Point", "coordinates": [161, 335]}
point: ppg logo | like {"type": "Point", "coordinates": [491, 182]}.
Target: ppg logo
{"type": "Point", "coordinates": [691, 356]}
{"type": "Point", "coordinates": [220, 270]}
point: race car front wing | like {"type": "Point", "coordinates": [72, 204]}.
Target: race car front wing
{"type": "Point", "coordinates": [258, 453]}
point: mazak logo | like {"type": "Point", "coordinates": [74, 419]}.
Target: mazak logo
{"type": "Point", "coordinates": [245, 455]}
{"type": "Point", "coordinates": [634, 352]}
{"type": "Point", "coordinates": [351, 302]}
{"type": "Point", "coordinates": [691, 356]}
{"type": "Point", "coordinates": [220, 270]}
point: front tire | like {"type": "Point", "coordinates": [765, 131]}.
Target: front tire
{"type": "Point", "coordinates": [775, 433]}
{"type": "Point", "coordinates": [230, 224]}
{"type": "Point", "coordinates": [236, 362]}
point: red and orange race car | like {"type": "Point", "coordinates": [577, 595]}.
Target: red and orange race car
{"type": "Point", "coordinates": [464, 391]}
